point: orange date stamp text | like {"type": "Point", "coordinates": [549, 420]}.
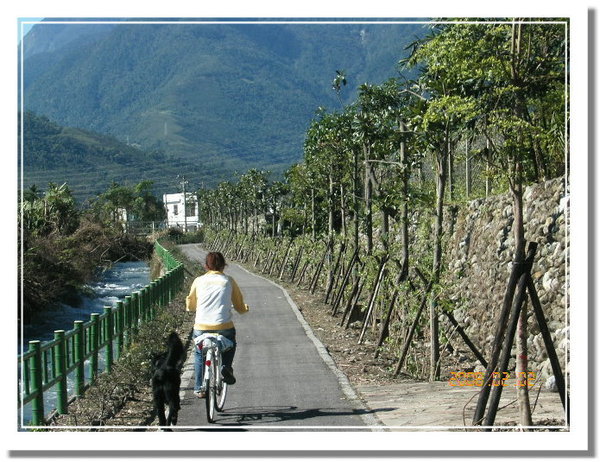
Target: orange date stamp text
{"type": "Point", "coordinates": [497, 379]}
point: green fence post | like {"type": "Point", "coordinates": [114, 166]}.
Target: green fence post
{"type": "Point", "coordinates": [135, 301]}
{"type": "Point", "coordinates": [144, 293]}
{"type": "Point", "coordinates": [169, 286]}
{"type": "Point", "coordinates": [127, 317]}
{"type": "Point", "coordinates": [119, 329]}
{"type": "Point", "coordinates": [109, 336]}
{"type": "Point", "coordinates": [160, 287]}
{"type": "Point", "coordinates": [35, 372]}
{"type": "Point", "coordinates": [174, 281]}
{"type": "Point", "coordinates": [142, 305]}
{"type": "Point", "coordinates": [149, 301]}
{"type": "Point", "coordinates": [78, 358]}
{"type": "Point", "coordinates": [165, 284]}
{"type": "Point", "coordinates": [155, 304]}
{"type": "Point", "coordinates": [26, 377]}
{"type": "Point", "coordinates": [60, 368]}
{"type": "Point", "coordinates": [94, 347]}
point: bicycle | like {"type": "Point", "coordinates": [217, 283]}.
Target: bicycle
{"type": "Point", "coordinates": [212, 347]}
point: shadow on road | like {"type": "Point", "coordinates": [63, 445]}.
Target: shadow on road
{"type": "Point", "coordinates": [270, 415]}
{"type": "Point", "coordinates": [241, 416]}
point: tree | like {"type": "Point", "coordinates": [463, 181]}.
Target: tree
{"type": "Point", "coordinates": [146, 206]}
{"type": "Point", "coordinates": [501, 76]}
{"type": "Point", "coordinates": [447, 108]}
{"type": "Point", "coordinates": [60, 211]}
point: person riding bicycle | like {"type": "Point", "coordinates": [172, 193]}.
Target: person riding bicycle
{"type": "Point", "coordinates": [211, 296]}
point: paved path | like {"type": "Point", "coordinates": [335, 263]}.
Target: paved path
{"type": "Point", "coordinates": [285, 378]}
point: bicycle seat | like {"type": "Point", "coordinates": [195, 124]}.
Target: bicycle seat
{"type": "Point", "coordinates": [224, 343]}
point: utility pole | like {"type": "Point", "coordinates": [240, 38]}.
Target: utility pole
{"type": "Point", "coordinates": [183, 184]}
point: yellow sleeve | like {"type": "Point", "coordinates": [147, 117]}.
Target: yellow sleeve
{"type": "Point", "coordinates": [237, 298]}
{"type": "Point", "coordinates": [191, 299]}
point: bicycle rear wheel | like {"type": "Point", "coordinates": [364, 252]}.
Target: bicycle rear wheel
{"type": "Point", "coordinates": [221, 394]}
{"type": "Point", "coordinates": [211, 395]}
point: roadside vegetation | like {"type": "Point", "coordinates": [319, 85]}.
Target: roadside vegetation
{"type": "Point", "coordinates": [65, 245]}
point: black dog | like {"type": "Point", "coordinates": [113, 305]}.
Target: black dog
{"type": "Point", "coordinates": [166, 380]}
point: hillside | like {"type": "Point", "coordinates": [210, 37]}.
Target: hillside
{"type": "Point", "coordinates": [87, 161]}
{"type": "Point", "coordinates": [219, 97]}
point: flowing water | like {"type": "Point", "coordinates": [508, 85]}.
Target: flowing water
{"type": "Point", "coordinates": [113, 284]}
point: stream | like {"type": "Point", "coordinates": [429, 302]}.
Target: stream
{"type": "Point", "coordinates": [112, 285]}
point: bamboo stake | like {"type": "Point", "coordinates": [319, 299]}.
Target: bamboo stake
{"type": "Point", "coordinates": [353, 293]}
{"type": "Point", "coordinates": [297, 263]}
{"type": "Point", "coordinates": [315, 278]}
{"type": "Point", "coordinates": [506, 349]}
{"type": "Point", "coordinates": [517, 269]}
{"type": "Point", "coordinates": [380, 276]}
{"type": "Point", "coordinates": [334, 273]}
{"type": "Point", "coordinates": [519, 298]}
{"type": "Point", "coordinates": [285, 259]}
{"type": "Point", "coordinates": [303, 272]}
{"type": "Point", "coordinates": [466, 339]}
{"type": "Point", "coordinates": [385, 328]}
{"type": "Point", "coordinates": [338, 297]}
{"type": "Point", "coordinates": [552, 356]}
{"type": "Point", "coordinates": [353, 301]}
{"type": "Point", "coordinates": [412, 330]}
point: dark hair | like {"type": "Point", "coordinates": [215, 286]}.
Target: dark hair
{"type": "Point", "coordinates": [215, 261]}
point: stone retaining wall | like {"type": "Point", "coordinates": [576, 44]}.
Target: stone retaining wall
{"type": "Point", "coordinates": [479, 256]}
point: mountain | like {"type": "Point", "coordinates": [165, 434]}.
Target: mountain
{"type": "Point", "coordinates": [53, 153]}
{"type": "Point", "coordinates": [219, 98]}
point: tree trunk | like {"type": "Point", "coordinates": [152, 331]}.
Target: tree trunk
{"type": "Point", "coordinates": [313, 219]}
{"type": "Point", "coordinates": [343, 211]}
{"type": "Point", "coordinates": [330, 214]}
{"type": "Point", "coordinates": [521, 350]}
{"type": "Point", "coordinates": [442, 175]}
{"type": "Point", "coordinates": [368, 202]}
{"type": "Point", "coordinates": [488, 169]}
{"type": "Point", "coordinates": [355, 198]}
{"type": "Point", "coordinates": [451, 181]}
{"type": "Point", "coordinates": [521, 370]}
{"type": "Point", "coordinates": [385, 230]}
{"type": "Point", "coordinates": [405, 179]}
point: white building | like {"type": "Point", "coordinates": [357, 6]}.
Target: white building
{"type": "Point", "coordinates": [182, 214]}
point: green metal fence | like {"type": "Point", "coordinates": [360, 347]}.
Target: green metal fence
{"type": "Point", "coordinates": [46, 365]}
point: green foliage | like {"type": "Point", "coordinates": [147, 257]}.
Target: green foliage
{"type": "Point", "coordinates": [509, 80]}
{"type": "Point", "coordinates": [53, 212]}
{"type": "Point", "coordinates": [132, 203]}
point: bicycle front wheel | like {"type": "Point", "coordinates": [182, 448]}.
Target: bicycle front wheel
{"type": "Point", "coordinates": [211, 395]}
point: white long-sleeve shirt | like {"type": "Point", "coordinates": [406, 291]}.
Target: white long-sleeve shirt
{"type": "Point", "coordinates": [212, 296]}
